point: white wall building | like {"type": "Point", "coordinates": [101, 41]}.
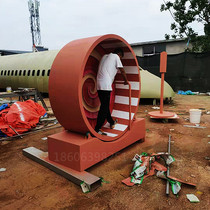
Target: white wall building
{"type": "Point", "coordinates": [171, 46]}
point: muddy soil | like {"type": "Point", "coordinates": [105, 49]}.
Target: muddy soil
{"type": "Point", "coordinates": [27, 185]}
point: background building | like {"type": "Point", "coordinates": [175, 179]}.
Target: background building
{"type": "Point", "coordinates": [171, 46]}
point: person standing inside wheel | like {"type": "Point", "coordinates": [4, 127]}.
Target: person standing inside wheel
{"type": "Point", "coordinates": [108, 67]}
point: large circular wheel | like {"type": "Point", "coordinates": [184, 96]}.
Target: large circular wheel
{"type": "Point", "coordinates": [72, 86]}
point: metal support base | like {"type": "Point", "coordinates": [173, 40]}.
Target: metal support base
{"type": "Point", "coordinates": [162, 116]}
{"type": "Point", "coordinates": [76, 177]}
{"type": "Point", "coordinates": [75, 151]}
{"type": "Point", "coordinates": [70, 154]}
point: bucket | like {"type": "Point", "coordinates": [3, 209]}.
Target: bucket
{"type": "Point", "coordinates": [195, 115]}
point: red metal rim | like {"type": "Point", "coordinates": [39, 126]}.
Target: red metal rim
{"type": "Point", "coordinates": [62, 115]}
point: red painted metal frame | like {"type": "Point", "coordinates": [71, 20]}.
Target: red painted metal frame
{"type": "Point", "coordinates": [129, 105]}
{"type": "Point", "coordinates": [66, 75]}
{"type": "Point", "coordinates": [163, 65]}
{"type": "Point", "coordinates": [66, 101]}
{"type": "Point", "coordinates": [68, 150]}
{"type": "Point", "coordinates": [162, 114]}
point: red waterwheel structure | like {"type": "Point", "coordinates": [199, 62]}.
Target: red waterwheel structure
{"type": "Point", "coordinates": [75, 103]}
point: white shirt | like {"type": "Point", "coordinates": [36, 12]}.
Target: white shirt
{"type": "Point", "coordinates": [107, 70]}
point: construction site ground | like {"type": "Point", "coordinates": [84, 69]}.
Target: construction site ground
{"type": "Point", "coordinates": [27, 185]}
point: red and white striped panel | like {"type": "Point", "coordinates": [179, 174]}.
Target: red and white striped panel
{"type": "Point", "coordinates": [121, 102]}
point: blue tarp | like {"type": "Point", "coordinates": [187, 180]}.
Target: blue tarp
{"type": "Point", "coordinates": [188, 92]}
{"type": "Point", "coordinates": [4, 106]}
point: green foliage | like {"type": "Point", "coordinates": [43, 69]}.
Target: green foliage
{"type": "Point", "coordinates": [186, 12]}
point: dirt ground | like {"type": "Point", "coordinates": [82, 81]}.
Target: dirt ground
{"type": "Point", "coordinates": [27, 185]}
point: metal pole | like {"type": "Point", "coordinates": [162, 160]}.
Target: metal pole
{"type": "Point", "coordinates": [161, 93]}
{"type": "Point", "coordinates": [163, 66]}
{"type": "Point", "coordinates": [169, 152]}
{"type": "Point", "coordinates": [15, 131]}
{"type": "Point", "coordinates": [129, 106]}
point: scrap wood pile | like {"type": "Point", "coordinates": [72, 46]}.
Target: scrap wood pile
{"type": "Point", "coordinates": [147, 165]}
{"type": "Point", "coordinates": [21, 117]}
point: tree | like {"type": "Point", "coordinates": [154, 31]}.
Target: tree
{"type": "Point", "coordinates": [186, 12]}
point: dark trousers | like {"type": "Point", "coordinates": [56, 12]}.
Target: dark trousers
{"type": "Point", "coordinates": [104, 112]}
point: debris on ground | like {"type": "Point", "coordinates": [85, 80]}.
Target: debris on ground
{"type": "Point", "coordinates": [2, 169]}
{"type": "Point", "coordinates": [44, 138]}
{"type": "Point", "coordinates": [155, 107]}
{"type": "Point", "coordinates": [47, 119]}
{"type": "Point", "coordinates": [194, 126]}
{"type": "Point", "coordinates": [160, 174]}
{"type": "Point", "coordinates": [146, 165]}
{"type": "Point", "coordinates": [192, 198]}
{"type": "Point", "coordinates": [104, 181]}
{"type": "Point", "coordinates": [32, 131]}
{"type": "Point", "coordinates": [175, 188]}
{"type": "Point", "coordinates": [85, 188]}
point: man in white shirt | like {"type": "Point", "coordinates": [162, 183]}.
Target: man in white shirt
{"type": "Point", "coordinates": [108, 67]}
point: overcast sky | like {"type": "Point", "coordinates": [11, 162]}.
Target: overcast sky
{"type": "Point", "coordinates": [62, 21]}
